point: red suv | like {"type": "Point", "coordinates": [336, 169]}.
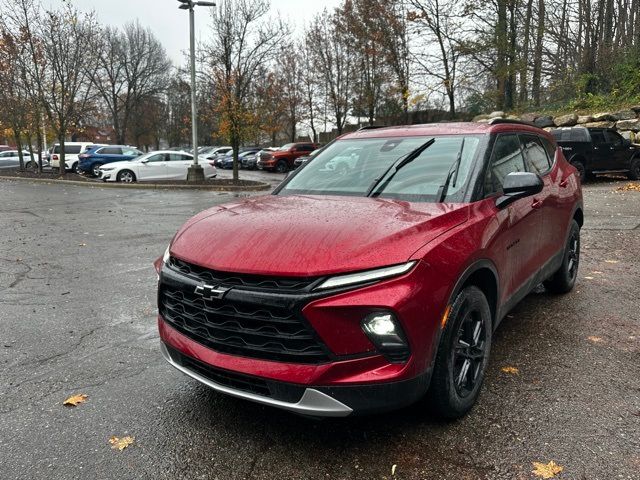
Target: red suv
{"type": "Point", "coordinates": [282, 160]}
{"type": "Point", "coordinates": [368, 289]}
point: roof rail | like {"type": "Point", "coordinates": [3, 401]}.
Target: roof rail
{"type": "Point", "coordinates": [371, 127]}
{"type": "Point", "coordinates": [498, 121]}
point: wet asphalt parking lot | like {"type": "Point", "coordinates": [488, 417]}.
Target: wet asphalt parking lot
{"type": "Point", "coordinates": [78, 315]}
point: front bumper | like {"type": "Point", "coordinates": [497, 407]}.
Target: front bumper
{"type": "Point", "coordinates": [316, 401]}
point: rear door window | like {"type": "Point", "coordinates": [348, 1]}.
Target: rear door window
{"type": "Point", "coordinates": [506, 158]}
{"type": "Point", "coordinates": [598, 137]}
{"type": "Point", "coordinates": [535, 154]}
{"type": "Point", "coordinates": [111, 151]}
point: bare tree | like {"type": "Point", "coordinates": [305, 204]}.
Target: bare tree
{"type": "Point", "coordinates": [133, 68]}
{"type": "Point", "coordinates": [244, 39]}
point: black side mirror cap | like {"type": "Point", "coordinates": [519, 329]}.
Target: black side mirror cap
{"type": "Point", "coordinates": [519, 185]}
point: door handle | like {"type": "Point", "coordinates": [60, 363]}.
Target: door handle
{"type": "Point", "coordinates": [536, 203]}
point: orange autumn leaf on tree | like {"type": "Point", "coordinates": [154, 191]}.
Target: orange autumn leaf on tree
{"type": "Point", "coordinates": [75, 400]}
{"type": "Point", "coordinates": [546, 470]}
{"type": "Point", "coordinates": [120, 443]}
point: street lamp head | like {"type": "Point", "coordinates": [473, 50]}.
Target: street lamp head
{"type": "Point", "coordinates": [205, 4]}
{"type": "Point", "coordinates": [184, 7]}
{"type": "Point", "coordinates": [186, 4]}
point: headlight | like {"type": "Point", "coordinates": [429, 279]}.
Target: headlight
{"type": "Point", "coordinates": [368, 276]}
{"type": "Point", "coordinates": [166, 256]}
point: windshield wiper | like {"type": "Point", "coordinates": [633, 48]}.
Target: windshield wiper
{"type": "Point", "coordinates": [398, 164]}
{"type": "Point", "coordinates": [453, 174]}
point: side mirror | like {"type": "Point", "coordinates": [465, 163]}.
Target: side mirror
{"type": "Point", "coordinates": [144, 160]}
{"type": "Point", "coordinates": [519, 185]}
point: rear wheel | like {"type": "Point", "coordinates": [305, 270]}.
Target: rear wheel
{"type": "Point", "coordinates": [582, 171]}
{"type": "Point", "coordinates": [563, 280]}
{"type": "Point", "coordinates": [95, 169]}
{"type": "Point", "coordinates": [126, 176]}
{"type": "Point", "coordinates": [634, 171]}
{"type": "Point", "coordinates": [463, 355]}
{"type": "Point", "coordinates": [281, 167]}
{"type": "Point", "coordinates": [74, 167]}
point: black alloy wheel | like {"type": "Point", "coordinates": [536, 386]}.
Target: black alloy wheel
{"type": "Point", "coordinates": [281, 167]}
{"type": "Point", "coordinates": [463, 355]}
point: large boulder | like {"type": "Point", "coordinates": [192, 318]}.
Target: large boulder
{"type": "Point", "coordinates": [496, 114]}
{"type": "Point", "coordinates": [625, 115]}
{"type": "Point", "coordinates": [478, 118]}
{"type": "Point", "coordinates": [599, 125]}
{"type": "Point", "coordinates": [584, 119]}
{"type": "Point", "coordinates": [604, 117]}
{"type": "Point", "coordinates": [513, 117]}
{"type": "Point", "coordinates": [544, 121]}
{"type": "Point", "coordinates": [529, 117]}
{"type": "Point", "coordinates": [566, 120]}
{"type": "Point", "coordinates": [629, 124]}
{"type": "Point", "coordinates": [628, 135]}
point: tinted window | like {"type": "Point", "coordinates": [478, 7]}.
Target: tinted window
{"type": "Point", "coordinates": [130, 151]}
{"type": "Point", "coordinates": [613, 137]}
{"type": "Point", "coordinates": [111, 151]}
{"type": "Point", "coordinates": [550, 148]}
{"type": "Point", "coordinates": [179, 157]}
{"type": "Point", "coordinates": [535, 154]}
{"type": "Point", "coordinates": [70, 149]}
{"type": "Point", "coordinates": [597, 136]}
{"type": "Point", "coordinates": [159, 157]}
{"type": "Point", "coordinates": [505, 159]}
{"type": "Point", "coordinates": [305, 148]}
{"type": "Point", "coordinates": [579, 135]}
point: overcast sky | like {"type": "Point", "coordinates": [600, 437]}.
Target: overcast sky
{"type": "Point", "coordinates": [172, 25]}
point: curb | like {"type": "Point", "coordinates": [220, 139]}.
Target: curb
{"type": "Point", "coordinates": [261, 186]}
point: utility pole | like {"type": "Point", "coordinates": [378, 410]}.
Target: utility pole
{"type": "Point", "coordinates": [195, 172]}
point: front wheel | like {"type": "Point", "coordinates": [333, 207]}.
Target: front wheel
{"type": "Point", "coordinates": [126, 176]}
{"type": "Point", "coordinates": [463, 355]}
{"type": "Point", "coordinates": [564, 279]}
{"type": "Point", "coordinates": [74, 168]}
{"type": "Point", "coordinates": [281, 167]}
{"type": "Point", "coordinates": [95, 170]}
{"type": "Point", "coordinates": [634, 171]}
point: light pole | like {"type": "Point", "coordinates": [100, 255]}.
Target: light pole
{"type": "Point", "coordinates": [195, 172]}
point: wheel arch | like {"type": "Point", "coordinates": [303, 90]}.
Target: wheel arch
{"type": "Point", "coordinates": [484, 275]}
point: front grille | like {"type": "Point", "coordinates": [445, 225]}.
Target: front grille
{"type": "Point", "coordinates": [259, 282]}
{"type": "Point", "coordinates": [249, 323]}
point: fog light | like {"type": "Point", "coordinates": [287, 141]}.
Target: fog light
{"type": "Point", "coordinates": [385, 332]}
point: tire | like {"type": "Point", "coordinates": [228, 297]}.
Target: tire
{"type": "Point", "coordinates": [564, 279]}
{"type": "Point", "coordinates": [282, 167]}
{"type": "Point", "coordinates": [582, 171]}
{"type": "Point", "coordinates": [95, 169]}
{"type": "Point", "coordinates": [463, 355]}
{"type": "Point", "coordinates": [126, 176]}
{"type": "Point", "coordinates": [74, 168]}
{"type": "Point", "coordinates": [634, 171]}
{"type": "Point", "coordinates": [31, 165]}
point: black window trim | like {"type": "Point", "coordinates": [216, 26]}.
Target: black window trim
{"type": "Point", "coordinates": [490, 157]}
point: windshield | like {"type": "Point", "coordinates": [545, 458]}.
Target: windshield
{"type": "Point", "coordinates": [288, 146]}
{"type": "Point", "coordinates": [351, 167]}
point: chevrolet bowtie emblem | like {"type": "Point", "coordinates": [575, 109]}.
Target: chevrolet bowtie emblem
{"type": "Point", "coordinates": [209, 293]}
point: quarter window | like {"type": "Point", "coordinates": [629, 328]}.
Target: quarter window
{"type": "Point", "coordinates": [535, 154]}
{"type": "Point", "coordinates": [505, 159]}
{"type": "Point", "coordinates": [111, 151]}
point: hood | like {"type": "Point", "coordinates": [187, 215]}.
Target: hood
{"type": "Point", "coordinates": [312, 235]}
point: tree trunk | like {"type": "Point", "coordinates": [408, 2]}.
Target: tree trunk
{"type": "Point", "coordinates": [62, 166]}
{"type": "Point", "coordinates": [16, 135]}
{"type": "Point", "coordinates": [537, 57]}
{"type": "Point", "coordinates": [235, 144]}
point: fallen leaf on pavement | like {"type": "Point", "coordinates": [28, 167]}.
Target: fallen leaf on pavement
{"type": "Point", "coordinates": [510, 370]}
{"type": "Point", "coordinates": [82, 244]}
{"type": "Point", "coordinates": [611, 261]}
{"type": "Point", "coordinates": [595, 339]}
{"type": "Point", "coordinates": [546, 470]}
{"type": "Point", "coordinates": [629, 187]}
{"type": "Point", "coordinates": [393, 470]}
{"type": "Point", "coordinates": [120, 443]}
{"type": "Point", "coordinates": [75, 400]}
{"type": "Point", "coordinates": [589, 278]}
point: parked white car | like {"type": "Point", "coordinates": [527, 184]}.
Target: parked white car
{"type": "Point", "coordinates": [155, 166]}
{"type": "Point", "coordinates": [72, 151]}
{"type": "Point", "coordinates": [10, 159]}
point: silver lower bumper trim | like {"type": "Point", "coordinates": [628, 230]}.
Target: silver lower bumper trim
{"type": "Point", "coordinates": [313, 402]}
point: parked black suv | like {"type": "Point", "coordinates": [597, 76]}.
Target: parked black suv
{"type": "Point", "coordinates": [598, 150]}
